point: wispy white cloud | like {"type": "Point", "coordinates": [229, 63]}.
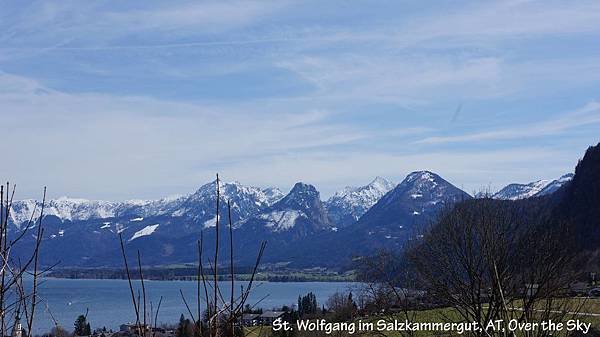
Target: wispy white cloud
{"type": "Point", "coordinates": [136, 141]}
{"type": "Point", "coordinates": [209, 16]}
{"type": "Point", "coordinates": [512, 18]}
{"type": "Point", "coordinates": [94, 25]}
{"type": "Point", "coordinates": [464, 20]}
{"type": "Point", "coordinates": [397, 77]}
{"type": "Point", "coordinates": [152, 98]}
{"type": "Point", "coordinates": [586, 115]}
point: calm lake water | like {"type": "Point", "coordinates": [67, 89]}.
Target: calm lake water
{"type": "Point", "coordinates": [109, 301]}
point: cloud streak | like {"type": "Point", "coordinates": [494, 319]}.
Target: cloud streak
{"type": "Point", "coordinates": [150, 99]}
{"type": "Point", "coordinates": [132, 142]}
{"type": "Point", "coordinates": [584, 116]}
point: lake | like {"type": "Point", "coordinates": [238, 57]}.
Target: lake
{"type": "Point", "coordinates": [109, 301]}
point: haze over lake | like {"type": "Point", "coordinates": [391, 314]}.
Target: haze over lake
{"type": "Point", "coordinates": [109, 301]}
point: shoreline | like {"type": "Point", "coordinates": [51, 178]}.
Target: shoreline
{"type": "Point", "coordinates": [193, 280]}
{"type": "Point", "coordinates": [169, 275]}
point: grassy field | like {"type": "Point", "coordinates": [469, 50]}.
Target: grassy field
{"type": "Point", "coordinates": [591, 305]}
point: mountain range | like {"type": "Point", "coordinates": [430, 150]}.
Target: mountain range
{"type": "Point", "coordinates": [300, 228]}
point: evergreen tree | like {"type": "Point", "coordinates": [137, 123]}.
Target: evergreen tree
{"type": "Point", "coordinates": [185, 328]}
{"type": "Point", "coordinates": [307, 305]}
{"type": "Point", "coordinates": [82, 327]}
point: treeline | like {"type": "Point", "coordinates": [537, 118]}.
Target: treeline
{"type": "Point", "coordinates": [183, 273]}
{"type": "Point", "coordinates": [189, 274]}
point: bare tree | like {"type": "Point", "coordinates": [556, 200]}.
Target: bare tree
{"type": "Point", "coordinates": [15, 300]}
{"type": "Point", "coordinates": [389, 288]}
{"type": "Point", "coordinates": [223, 319]}
{"type": "Point", "coordinates": [222, 316]}
{"type": "Point", "coordinates": [143, 326]}
{"type": "Point", "coordinates": [494, 260]}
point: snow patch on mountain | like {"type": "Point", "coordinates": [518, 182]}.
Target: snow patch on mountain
{"type": "Point", "coordinates": [148, 230]}
{"type": "Point", "coordinates": [279, 221]}
{"type": "Point", "coordinates": [120, 228]}
{"type": "Point", "coordinates": [212, 222]}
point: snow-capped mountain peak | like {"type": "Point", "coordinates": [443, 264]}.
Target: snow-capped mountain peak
{"type": "Point", "coordinates": [421, 176]}
{"type": "Point", "coordinates": [413, 202]}
{"type": "Point", "coordinates": [420, 183]}
{"type": "Point", "coordinates": [349, 204]}
{"type": "Point", "coordinates": [199, 206]}
{"type": "Point", "coordinates": [245, 201]}
{"type": "Point", "coordinates": [232, 191]}
{"type": "Point", "coordinates": [301, 205]}
{"type": "Point", "coordinates": [533, 189]}
{"type": "Point", "coordinates": [298, 213]}
{"type": "Point", "coordinates": [424, 186]}
{"type": "Point", "coordinates": [273, 194]}
{"type": "Point", "coordinates": [554, 185]}
{"type": "Point", "coordinates": [381, 184]}
{"type": "Point", "coordinates": [301, 196]}
{"type": "Point", "coordinates": [64, 208]}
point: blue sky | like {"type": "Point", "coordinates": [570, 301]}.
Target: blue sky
{"type": "Point", "coordinates": [120, 100]}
